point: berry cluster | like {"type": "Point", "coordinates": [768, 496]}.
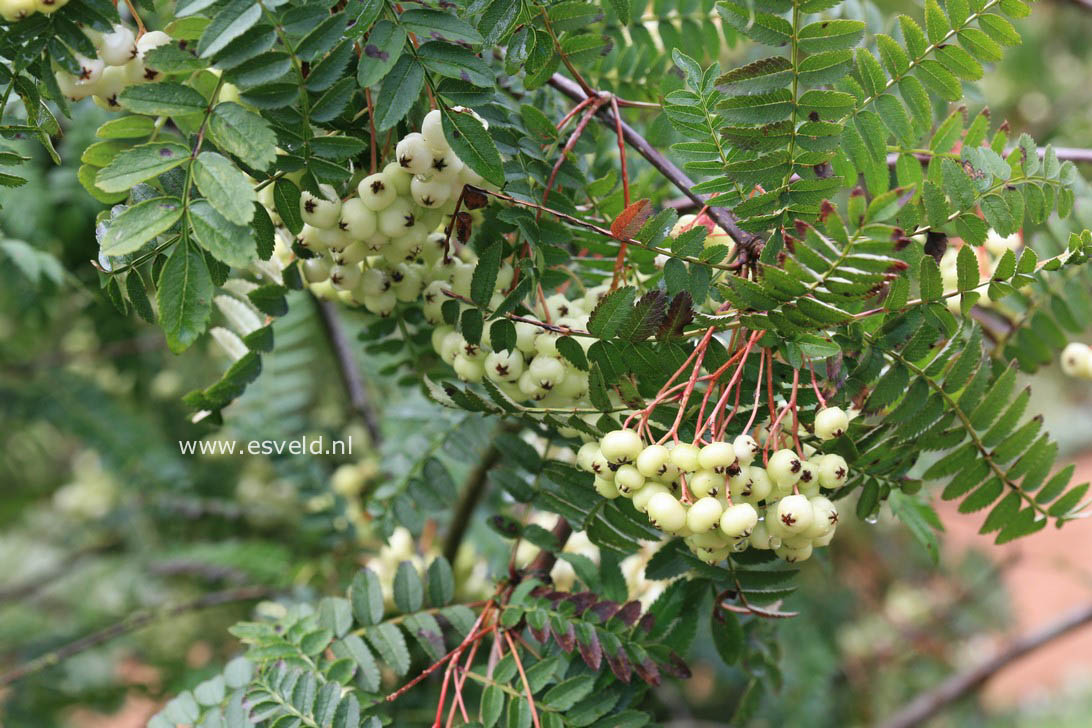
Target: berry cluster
{"type": "Point", "coordinates": [380, 245]}
{"type": "Point", "coordinates": [716, 498]}
{"type": "Point", "coordinates": [15, 10]}
{"type": "Point", "coordinates": [1077, 360]}
{"type": "Point", "coordinates": [119, 63]}
{"type": "Point", "coordinates": [387, 244]}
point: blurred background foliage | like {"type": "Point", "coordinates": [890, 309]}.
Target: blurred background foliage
{"type": "Point", "coordinates": [100, 514]}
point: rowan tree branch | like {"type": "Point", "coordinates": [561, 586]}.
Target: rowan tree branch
{"type": "Point", "coordinates": [472, 491]}
{"type": "Point", "coordinates": [348, 369]}
{"type": "Point", "coordinates": [929, 703]}
{"type": "Point", "coordinates": [29, 588]}
{"type": "Point", "coordinates": [133, 622]}
{"type": "Point", "coordinates": [667, 168]}
{"type": "Point", "coordinates": [1065, 154]}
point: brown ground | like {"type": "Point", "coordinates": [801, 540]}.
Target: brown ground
{"type": "Point", "coordinates": [1050, 573]}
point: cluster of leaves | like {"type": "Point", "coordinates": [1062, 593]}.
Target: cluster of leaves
{"type": "Point", "coordinates": [782, 141]}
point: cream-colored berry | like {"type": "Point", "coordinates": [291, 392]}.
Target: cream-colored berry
{"type": "Point", "coordinates": [628, 479]}
{"type": "Point", "coordinates": [784, 468]}
{"type": "Point", "coordinates": [717, 456]}
{"type": "Point", "coordinates": [745, 448]}
{"type": "Point", "coordinates": [794, 515]}
{"type": "Point", "coordinates": [703, 514]}
{"type": "Point", "coordinates": [684, 456]}
{"type": "Point", "coordinates": [738, 521]}
{"type": "Point", "coordinates": [825, 517]}
{"type": "Point", "coordinates": [705, 483]}
{"type": "Point", "coordinates": [830, 423]}
{"type": "Point", "coordinates": [666, 513]}
{"type": "Point", "coordinates": [653, 461]}
{"type": "Point", "coordinates": [619, 446]}
{"type": "Point", "coordinates": [833, 471]}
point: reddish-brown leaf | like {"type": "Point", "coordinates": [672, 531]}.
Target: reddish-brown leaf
{"type": "Point", "coordinates": [632, 219]}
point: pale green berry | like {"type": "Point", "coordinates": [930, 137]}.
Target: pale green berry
{"type": "Point", "coordinates": [321, 211]}
{"type": "Point", "coordinates": [784, 468]}
{"type": "Point", "coordinates": [381, 305]}
{"type": "Point", "coordinates": [374, 281]}
{"type": "Point", "coordinates": [407, 282]}
{"type": "Point", "coordinates": [601, 466]}
{"type": "Point", "coordinates": [351, 254]}
{"type": "Point", "coordinates": [717, 456]}
{"type": "Point", "coordinates": [710, 540]}
{"type": "Point", "coordinates": [684, 456]}
{"type": "Point", "coordinates": [652, 462]}
{"type": "Point", "coordinates": [357, 219]}
{"type": "Point", "coordinates": [377, 192]}
{"type": "Point", "coordinates": [830, 423]}
{"type": "Point", "coordinates": [344, 277]}
{"type": "Point", "coordinates": [705, 483]}
{"type": "Point", "coordinates": [745, 448]}
{"type": "Point", "coordinates": [118, 46]}
{"type": "Point", "coordinates": [606, 488]}
{"type": "Point", "coordinates": [825, 517]}
{"type": "Point", "coordinates": [809, 478]}
{"type": "Point", "coordinates": [525, 336]}
{"type": "Point", "coordinates": [761, 538]}
{"type": "Point", "coordinates": [574, 385]}
{"type": "Point", "coordinates": [794, 515]}
{"type": "Point", "coordinates": [585, 454]}
{"type": "Point", "coordinates": [504, 366]}
{"type": "Point", "coordinates": [395, 218]}
{"type": "Point", "coordinates": [1077, 360]}
{"type": "Point", "coordinates": [738, 520]}
{"type": "Point", "coordinates": [761, 485]}
{"type": "Point", "coordinates": [666, 513]}
{"type": "Point", "coordinates": [628, 480]}
{"type": "Point", "coordinates": [398, 178]}
{"type": "Point", "coordinates": [644, 495]}
{"type": "Point", "coordinates": [825, 539]}
{"type": "Point", "coordinates": [833, 471]}
{"type": "Point", "coordinates": [547, 372]}
{"type": "Point", "coordinates": [741, 485]}
{"type": "Point", "coordinates": [703, 514]}
{"type": "Point", "coordinates": [792, 555]}
{"type": "Point", "coordinates": [438, 335]}
{"type": "Point", "coordinates": [451, 346]}
{"type": "Point", "coordinates": [433, 131]}
{"type": "Point", "coordinates": [413, 154]}
{"type": "Point", "coordinates": [619, 446]}
{"type": "Point", "coordinates": [316, 269]}
{"type": "Point", "coordinates": [430, 193]}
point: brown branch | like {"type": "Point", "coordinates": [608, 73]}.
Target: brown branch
{"type": "Point", "coordinates": [348, 369]}
{"type": "Point", "coordinates": [27, 589]}
{"type": "Point", "coordinates": [1065, 154]}
{"type": "Point", "coordinates": [929, 703]}
{"type": "Point", "coordinates": [133, 622]}
{"type": "Point", "coordinates": [667, 168]}
{"type": "Point", "coordinates": [472, 490]}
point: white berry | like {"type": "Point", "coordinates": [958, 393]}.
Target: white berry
{"type": "Point", "coordinates": [745, 448]}
{"type": "Point", "coordinates": [739, 520]}
{"type": "Point", "coordinates": [652, 462]}
{"type": "Point", "coordinates": [703, 514]}
{"type": "Point", "coordinates": [666, 513]}
{"type": "Point", "coordinates": [717, 457]}
{"type": "Point", "coordinates": [794, 514]}
{"type": "Point", "coordinates": [830, 423]}
{"type": "Point", "coordinates": [833, 471]}
{"type": "Point", "coordinates": [784, 468]}
{"type": "Point", "coordinates": [684, 456]}
{"type": "Point", "coordinates": [619, 446]}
